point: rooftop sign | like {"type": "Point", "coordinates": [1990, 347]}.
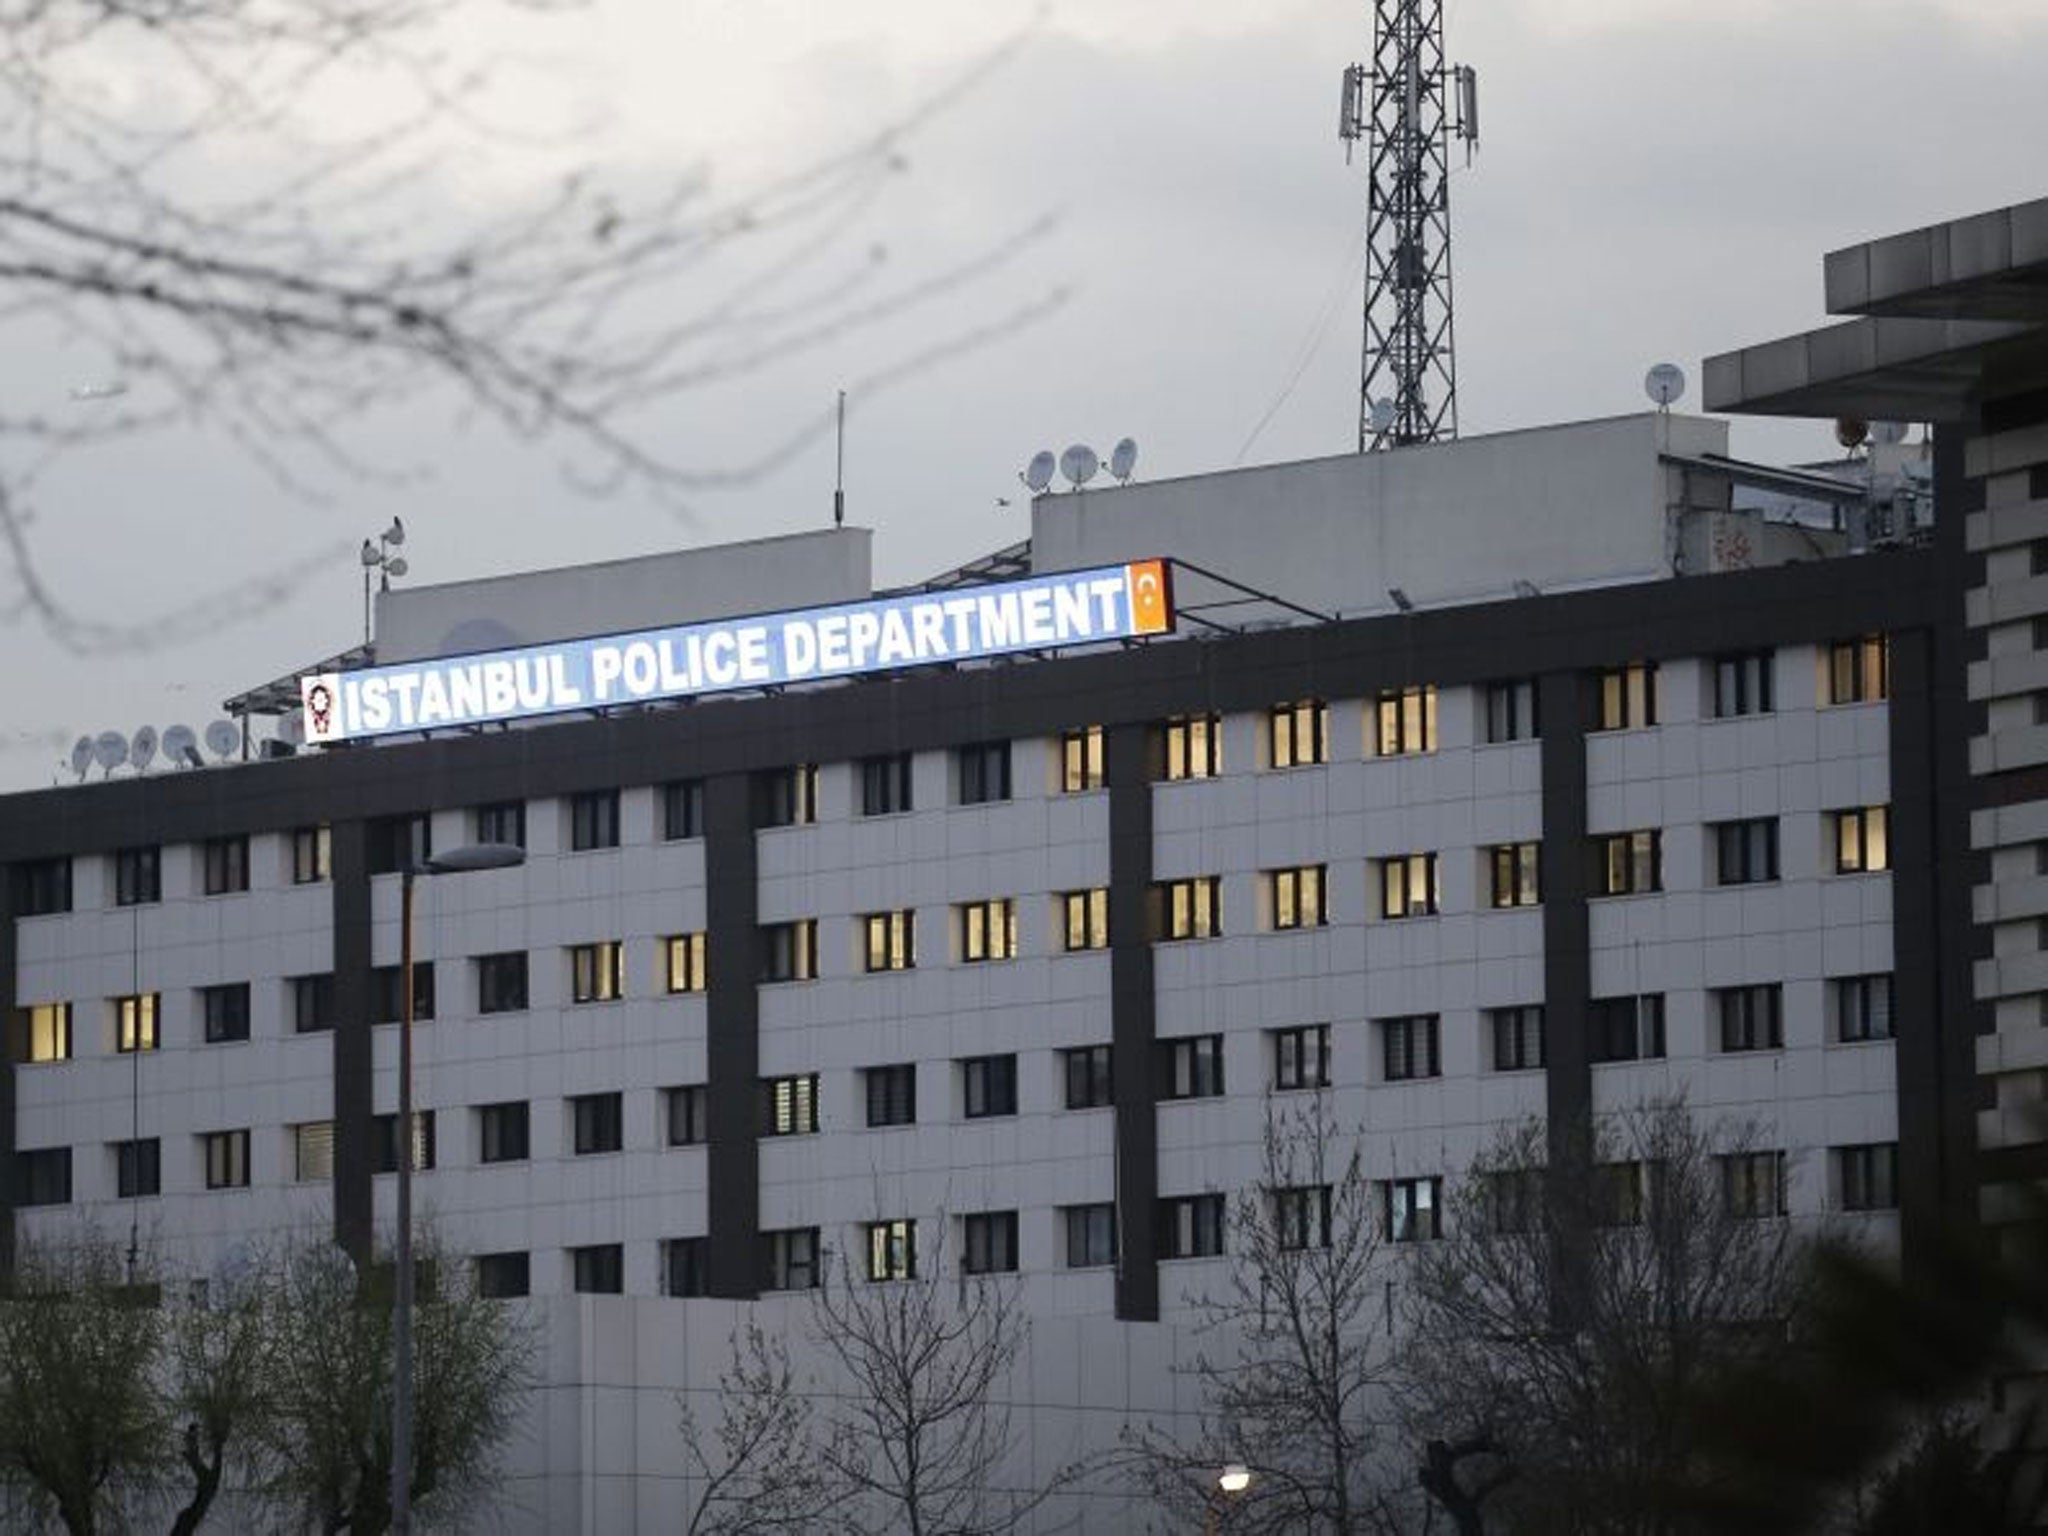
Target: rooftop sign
{"type": "Point", "coordinates": [811, 644]}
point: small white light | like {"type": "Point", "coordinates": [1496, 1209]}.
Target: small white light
{"type": "Point", "coordinates": [1234, 1478]}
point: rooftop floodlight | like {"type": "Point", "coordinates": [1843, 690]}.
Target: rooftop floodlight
{"type": "Point", "coordinates": [1401, 600]}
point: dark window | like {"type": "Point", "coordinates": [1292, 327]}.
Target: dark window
{"type": "Point", "coordinates": [1618, 1194]}
{"type": "Point", "coordinates": [1190, 1226]}
{"type": "Point", "coordinates": [892, 1249]}
{"type": "Point", "coordinates": [885, 784]}
{"type": "Point", "coordinates": [1745, 852]}
{"type": "Point", "coordinates": [789, 1105]}
{"type": "Point", "coordinates": [599, 1270]}
{"type": "Point", "coordinates": [1091, 1235]}
{"type": "Point", "coordinates": [1413, 1208]}
{"type": "Point", "coordinates": [1626, 1028]}
{"type": "Point", "coordinates": [1405, 721]}
{"type": "Point", "coordinates": [1409, 1047]}
{"type": "Point", "coordinates": [988, 1086]}
{"type": "Point", "coordinates": [1297, 896]}
{"type": "Point", "coordinates": [1298, 734]}
{"type": "Point", "coordinates": [685, 1266]}
{"type": "Point", "coordinates": [138, 1168]}
{"type": "Point", "coordinates": [990, 1243]}
{"type": "Point", "coordinates": [43, 1175]}
{"type": "Point", "coordinates": [399, 843]}
{"type": "Point", "coordinates": [1081, 760]}
{"type": "Point", "coordinates": [501, 822]}
{"type": "Point", "coordinates": [892, 1094]}
{"type": "Point", "coordinates": [789, 1259]}
{"type": "Point", "coordinates": [686, 1112]}
{"type": "Point", "coordinates": [1518, 1043]}
{"type": "Point", "coordinates": [598, 1123]}
{"type": "Point", "coordinates": [892, 940]}
{"type": "Point", "coordinates": [313, 1003]}
{"type": "Point", "coordinates": [1868, 1176]}
{"type": "Point", "coordinates": [789, 951]}
{"type": "Point", "coordinates": [41, 887]}
{"type": "Point", "coordinates": [502, 1132]}
{"type": "Point", "coordinates": [597, 972]}
{"type": "Point", "coordinates": [686, 971]}
{"type": "Point", "coordinates": [501, 1276]}
{"type": "Point", "coordinates": [1751, 1017]}
{"type": "Point", "coordinates": [226, 865]}
{"type": "Point", "coordinates": [1514, 1199]}
{"type": "Point", "coordinates": [1090, 1084]}
{"type": "Point", "coordinates": [786, 797]}
{"type": "Point", "coordinates": [682, 810]}
{"type": "Point", "coordinates": [227, 1159]}
{"type": "Point", "coordinates": [138, 876]}
{"type": "Point", "coordinates": [1191, 747]}
{"type": "Point", "coordinates": [1743, 684]}
{"type": "Point", "coordinates": [1511, 711]}
{"type": "Point", "coordinates": [1408, 885]}
{"type": "Point", "coordinates": [312, 858]}
{"type": "Point", "coordinates": [594, 820]}
{"type": "Point", "coordinates": [982, 772]}
{"type": "Point", "coordinates": [1188, 909]}
{"type": "Point", "coordinates": [1191, 1068]}
{"type": "Point", "coordinates": [501, 982]}
{"type": "Point", "coordinates": [1629, 863]}
{"type": "Point", "coordinates": [225, 1010]}
{"type": "Point", "coordinates": [387, 992]}
{"type": "Point", "coordinates": [1862, 1007]}
{"type": "Point", "coordinates": [1753, 1184]}
{"type": "Point", "coordinates": [1628, 697]}
{"type": "Point", "coordinates": [384, 1144]}
{"type": "Point", "coordinates": [1515, 868]}
{"type": "Point", "coordinates": [1859, 670]}
{"type": "Point", "coordinates": [1087, 920]}
{"type": "Point", "coordinates": [1301, 1216]}
{"type": "Point", "coordinates": [1862, 839]}
{"type": "Point", "coordinates": [1301, 1056]}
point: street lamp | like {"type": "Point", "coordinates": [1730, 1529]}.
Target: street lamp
{"type": "Point", "coordinates": [377, 556]}
{"type": "Point", "coordinates": [1231, 1483]}
{"type": "Point", "coordinates": [456, 861]}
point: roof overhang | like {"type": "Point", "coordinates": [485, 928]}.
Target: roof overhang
{"type": "Point", "coordinates": [1991, 266]}
{"type": "Point", "coordinates": [1874, 369]}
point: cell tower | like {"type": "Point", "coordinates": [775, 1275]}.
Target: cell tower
{"type": "Point", "coordinates": [1407, 107]}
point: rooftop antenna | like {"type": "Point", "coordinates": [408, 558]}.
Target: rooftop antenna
{"type": "Point", "coordinates": [110, 750]}
{"type": "Point", "coordinates": [1037, 475]}
{"type": "Point", "coordinates": [142, 748]}
{"type": "Point", "coordinates": [839, 469]}
{"type": "Point", "coordinates": [1079, 464]}
{"type": "Point", "coordinates": [181, 746]}
{"type": "Point", "coordinates": [1664, 384]}
{"type": "Point", "coordinates": [1123, 458]}
{"type": "Point", "coordinates": [222, 739]}
{"type": "Point", "coordinates": [81, 757]}
{"type": "Point", "coordinates": [1407, 106]}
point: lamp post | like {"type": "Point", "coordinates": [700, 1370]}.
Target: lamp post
{"type": "Point", "coordinates": [1231, 1483]}
{"type": "Point", "coordinates": [378, 557]}
{"type": "Point", "coordinates": [456, 861]}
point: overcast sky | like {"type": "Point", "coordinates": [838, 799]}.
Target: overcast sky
{"type": "Point", "coordinates": [1655, 181]}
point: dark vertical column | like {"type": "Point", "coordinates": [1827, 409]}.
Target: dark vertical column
{"type": "Point", "coordinates": [1133, 1002]}
{"type": "Point", "coordinates": [9, 1001]}
{"type": "Point", "coordinates": [1567, 960]}
{"type": "Point", "coordinates": [1916, 945]}
{"type": "Point", "coordinates": [354, 1056]}
{"type": "Point", "coordinates": [732, 966]}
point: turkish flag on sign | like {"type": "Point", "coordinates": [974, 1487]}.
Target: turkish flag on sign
{"type": "Point", "coordinates": [1151, 602]}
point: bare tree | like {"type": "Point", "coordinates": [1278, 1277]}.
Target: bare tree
{"type": "Point", "coordinates": [764, 1478]}
{"type": "Point", "coordinates": [216, 1377]}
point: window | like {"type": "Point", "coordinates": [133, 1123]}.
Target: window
{"type": "Point", "coordinates": [988, 929]}
{"type": "Point", "coordinates": [594, 820]}
{"type": "Point", "coordinates": [1862, 1007]}
{"type": "Point", "coordinates": [1090, 1083]}
{"type": "Point", "coordinates": [1191, 1068]}
{"type": "Point", "coordinates": [42, 887]}
{"type": "Point", "coordinates": [1297, 896]}
{"type": "Point", "coordinates": [786, 797]}
{"type": "Point", "coordinates": [1404, 722]}
{"type": "Point", "coordinates": [885, 784]}
{"type": "Point", "coordinates": [789, 1105]}
{"type": "Point", "coordinates": [1753, 1184]}
{"type": "Point", "coordinates": [43, 1176]}
{"type": "Point", "coordinates": [42, 1033]}
{"type": "Point", "coordinates": [892, 1250]}
{"type": "Point", "coordinates": [1081, 760]}
{"type": "Point", "coordinates": [790, 1259]}
{"type": "Point", "coordinates": [502, 1132]}
{"type": "Point", "coordinates": [501, 982]}
{"type": "Point", "coordinates": [686, 963]}
{"type": "Point", "coordinates": [789, 951]}
{"type": "Point", "coordinates": [387, 992]}
{"type": "Point", "coordinates": [892, 1094]}
{"type": "Point", "coordinates": [138, 1168]}
{"type": "Point", "coordinates": [598, 1270]}
{"type": "Point", "coordinates": [504, 821]}
{"type": "Point", "coordinates": [1867, 1177]}
{"type": "Point", "coordinates": [597, 972]}
{"type": "Point", "coordinates": [399, 843]}
{"type": "Point", "coordinates": [685, 1267]}
{"type": "Point", "coordinates": [597, 1123]}
{"type": "Point", "coordinates": [1191, 747]}
{"type": "Point", "coordinates": [1189, 909]}
{"type": "Point", "coordinates": [502, 1276]}
{"type": "Point", "coordinates": [313, 1003]}
{"type": "Point", "coordinates": [1511, 711]}
{"type": "Point", "coordinates": [1301, 1056]}
{"type": "Point", "coordinates": [1628, 697]}
{"type": "Point", "coordinates": [1191, 1227]}
{"type": "Point", "coordinates": [1631, 863]}
{"type": "Point", "coordinates": [1408, 1048]}
{"type": "Point", "coordinates": [1301, 1216]}
{"type": "Point", "coordinates": [686, 1115]}
{"type": "Point", "coordinates": [1408, 885]}
{"type": "Point", "coordinates": [1745, 852]}
{"type": "Point", "coordinates": [312, 858]}
{"type": "Point", "coordinates": [1625, 1028]}
{"type": "Point", "coordinates": [1618, 1194]}
{"type": "Point", "coordinates": [384, 1142]}
{"type": "Point", "coordinates": [988, 1086]}
{"type": "Point", "coordinates": [1518, 1037]}
{"type": "Point", "coordinates": [1862, 840]}
{"type": "Point", "coordinates": [1751, 1017]}
{"type": "Point", "coordinates": [682, 810]}
{"type": "Point", "coordinates": [892, 940]}
{"type": "Point", "coordinates": [1514, 868]}
{"type": "Point", "coordinates": [138, 876]}
{"type": "Point", "coordinates": [225, 1011]}
{"type": "Point", "coordinates": [1859, 670]}
{"type": "Point", "coordinates": [313, 1151]}
{"type": "Point", "coordinates": [225, 865]}
{"type": "Point", "coordinates": [1742, 684]}
{"type": "Point", "coordinates": [989, 1243]}
{"type": "Point", "coordinates": [1087, 920]}
{"type": "Point", "coordinates": [982, 772]}
{"type": "Point", "coordinates": [135, 1023]}
{"type": "Point", "coordinates": [1514, 1199]}
{"type": "Point", "coordinates": [1091, 1235]}
{"type": "Point", "coordinates": [1412, 1207]}
{"type": "Point", "coordinates": [1298, 734]}
{"type": "Point", "coordinates": [226, 1154]}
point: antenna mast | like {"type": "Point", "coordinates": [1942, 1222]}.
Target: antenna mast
{"type": "Point", "coordinates": [1407, 107]}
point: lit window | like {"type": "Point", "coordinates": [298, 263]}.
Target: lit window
{"type": "Point", "coordinates": [1191, 1068]}
{"type": "Point", "coordinates": [892, 1250]}
{"type": "Point", "coordinates": [1745, 852]}
{"type": "Point", "coordinates": [1862, 1007]}
{"type": "Point", "coordinates": [789, 1259]}
{"type": "Point", "coordinates": [988, 1086]}
{"type": "Point", "coordinates": [1301, 1216]}
{"type": "Point", "coordinates": [1862, 840]}
{"type": "Point", "coordinates": [43, 1032]}
{"type": "Point", "coordinates": [685, 1266]}
{"type": "Point", "coordinates": [686, 963]}
{"type": "Point", "coordinates": [1625, 1028]}
{"type": "Point", "coordinates": [1518, 1037]}
{"type": "Point", "coordinates": [598, 1270]}
{"type": "Point", "coordinates": [1743, 684]}
{"type": "Point", "coordinates": [988, 929]}
{"type": "Point", "coordinates": [1091, 1235]}
{"type": "Point", "coordinates": [1511, 711]}
{"type": "Point", "coordinates": [1753, 1184]}
{"type": "Point", "coordinates": [1413, 1208]}
{"type": "Point", "coordinates": [892, 940]}
{"type": "Point", "coordinates": [892, 1094]}
{"type": "Point", "coordinates": [1513, 868]}
{"type": "Point", "coordinates": [226, 1155]}
{"type": "Point", "coordinates": [1631, 863]}
{"type": "Point", "coordinates": [1859, 670]}
{"type": "Point", "coordinates": [786, 797]}
{"type": "Point", "coordinates": [1191, 1227]}
{"type": "Point", "coordinates": [1867, 1176]}
{"type": "Point", "coordinates": [1087, 920]}
{"type": "Point", "coordinates": [1081, 760]}
{"type": "Point", "coordinates": [789, 951]}
{"type": "Point", "coordinates": [885, 785]}
{"type": "Point", "coordinates": [686, 1113]}
{"type": "Point", "coordinates": [1298, 734]}
{"type": "Point", "coordinates": [138, 876]}
{"type": "Point", "coordinates": [502, 822]}
{"type": "Point", "coordinates": [1090, 1081]}
{"type": "Point", "coordinates": [1752, 1018]}
{"type": "Point", "coordinates": [597, 972]}
{"type": "Point", "coordinates": [501, 982]}
{"type": "Point", "coordinates": [502, 1132]}
{"type": "Point", "coordinates": [1301, 1056]}
{"type": "Point", "coordinates": [989, 1243]}
{"type": "Point", "coordinates": [1408, 1048]}
{"type": "Point", "coordinates": [682, 810]}
{"type": "Point", "coordinates": [1408, 885]}
{"type": "Point", "coordinates": [594, 820]}
{"type": "Point", "coordinates": [982, 772]}
{"type": "Point", "coordinates": [789, 1105]}
{"type": "Point", "coordinates": [135, 1023]}
{"type": "Point", "coordinates": [1628, 697]}
{"type": "Point", "coordinates": [1191, 747]}
{"type": "Point", "coordinates": [597, 1123]}
{"type": "Point", "coordinates": [1297, 896]}
{"type": "Point", "coordinates": [226, 865]}
{"type": "Point", "coordinates": [1403, 722]}
{"type": "Point", "coordinates": [312, 856]}
{"type": "Point", "coordinates": [1189, 909]}
{"type": "Point", "coordinates": [224, 1012]}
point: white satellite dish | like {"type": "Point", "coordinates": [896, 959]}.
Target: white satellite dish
{"type": "Point", "coordinates": [1664, 384]}
{"type": "Point", "coordinates": [110, 750]}
{"type": "Point", "coordinates": [1382, 415]}
{"type": "Point", "coordinates": [1038, 473]}
{"type": "Point", "coordinates": [1123, 458]}
{"type": "Point", "coordinates": [1887, 432]}
{"type": "Point", "coordinates": [222, 738]}
{"type": "Point", "coordinates": [81, 755]}
{"type": "Point", "coordinates": [142, 748]}
{"type": "Point", "coordinates": [181, 746]}
{"type": "Point", "coordinates": [292, 727]}
{"type": "Point", "coordinates": [1079, 464]}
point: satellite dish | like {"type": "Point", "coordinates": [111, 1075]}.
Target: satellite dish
{"type": "Point", "coordinates": [1382, 415]}
{"type": "Point", "coordinates": [142, 748]}
{"type": "Point", "coordinates": [395, 566]}
{"type": "Point", "coordinates": [81, 755]}
{"type": "Point", "coordinates": [222, 738]}
{"type": "Point", "coordinates": [1664, 384]}
{"type": "Point", "coordinates": [292, 727]}
{"type": "Point", "coordinates": [1123, 458]}
{"type": "Point", "coordinates": [181, 746]}
{"type": "Point", "coordinates": [1850, 432]}
{"type": "Point", "coordinates": [1079, 464]}
{"type": "Point", "coordinates": [1038, 473]}
{"type": "Point", "coordinates": [110, 750]}
{"type": "Point", "coordinates": [1887, 432]}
